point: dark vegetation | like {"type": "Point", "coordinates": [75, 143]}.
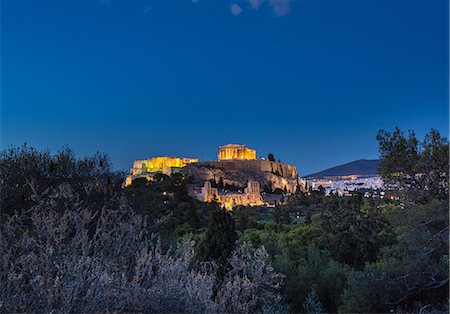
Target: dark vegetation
{"type": "Point", "coordinates": [74, 240]}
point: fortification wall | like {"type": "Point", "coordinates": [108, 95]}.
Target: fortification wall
{"type": "Point", "coordinates": [284, 170]}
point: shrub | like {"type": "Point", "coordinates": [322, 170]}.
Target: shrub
{"type": "Point", "coordinates": [81, 260]}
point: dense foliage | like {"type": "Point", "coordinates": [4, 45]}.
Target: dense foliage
{"type": "Point", "coordinates": [84, 261]}
{"type": "Point", "coordinates": [26, 172]}
{"type": "Point", "coordinates": [74, 240]}
{"type": "Point", "coordinates": [418, 172]}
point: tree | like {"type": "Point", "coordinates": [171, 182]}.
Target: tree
{"type": "Point", "coordinates": [434, 164]}
{"type": "Point", "coordinates": [220, 237]}
{"type": "Point", "coordinates": [404, 275]}
{"type": "Point", "coordinates": [213, 182]}
{"type": "Point", "coordinates": [56, 265]}
{"type": "Point", "coordinates": [25, 171]}
{"type": "Point", "coordinates": [317, 271]}
{"type": "Point", "coordinates": [252, 285]}
{"type": "Point", "coordinates": [245, 218]}
{"type": "Point", "coordinates": [354, 230]}
{"type": "Point", "coordinates": [285, 217]}
{"type": "Point", "coordinates": [193, 219]}
{"type": "Point", "coordinates": [281, 216]}
{"type": "Point", "coordinates": [414, 268]}
{"type": "Point", "coordinates": [270, 157]}
{"type": "Point", "coordinates": [277, 216]}
{"type": "Point", "coordinates": [417, 173]}
{"type": "Point", "coordinates": [312, 303]}
{"type": "Point", "coordinates": [220, 185]}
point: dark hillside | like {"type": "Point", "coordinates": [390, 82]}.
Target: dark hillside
{"type": "Point", "coordinates": [362, 166]}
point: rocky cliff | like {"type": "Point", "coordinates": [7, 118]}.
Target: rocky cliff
{"type": "Point", "coordinates": [270, 175]}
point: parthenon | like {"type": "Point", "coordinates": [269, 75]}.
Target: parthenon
{"type": "Point", "coordinates": [236, 151]}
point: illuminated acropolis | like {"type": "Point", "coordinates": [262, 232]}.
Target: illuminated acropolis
{"type": "Point", "coordinates": [237, 167]}
{"type": "Point", "coordinates": [236, 151]}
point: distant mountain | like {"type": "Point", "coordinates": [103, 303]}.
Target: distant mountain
{"type": "Point", "coordinates": [362, 166]}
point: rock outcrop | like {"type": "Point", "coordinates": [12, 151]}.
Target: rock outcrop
{"type": "Point", "coordinates": [270, 175]}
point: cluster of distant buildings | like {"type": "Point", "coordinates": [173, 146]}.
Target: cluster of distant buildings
{"type": "Point", "coordinates": [344, 185]}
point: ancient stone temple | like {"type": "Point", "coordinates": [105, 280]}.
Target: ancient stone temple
{"type": "Point", "coordinates": [236, 151]}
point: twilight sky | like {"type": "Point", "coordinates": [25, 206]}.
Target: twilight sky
{"type": "Point", "coordinates": [309, 80]}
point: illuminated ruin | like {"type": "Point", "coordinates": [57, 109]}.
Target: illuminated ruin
{"type": "Point", "coordinates": [236, 166]}
{"type": "Point", "coordinates": [250, 197]}
{"type": "Point", "coordinates": [236, 151]}
{"type": "Point", "coordinates": [164, 164]}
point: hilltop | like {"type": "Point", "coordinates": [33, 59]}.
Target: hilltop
{"type": "Point", "coordinates": [270, 174]}
{"type": "Point", "coordinates": [357, 167]}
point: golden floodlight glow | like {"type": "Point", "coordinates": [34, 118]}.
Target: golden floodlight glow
{"type": "Point", "coordinates": [236, 151]}
{"type": "Point", "coordinates": [159, 164]}
{"type": "Point", "coordinates": [163, 164]}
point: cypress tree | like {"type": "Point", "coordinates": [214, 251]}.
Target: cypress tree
{"type": "Point", "coordinates": [220, 185]}
{"type": "Point", "coordinates": [193, 218]}
{"type": "Point", "coordinates": [220, 236]}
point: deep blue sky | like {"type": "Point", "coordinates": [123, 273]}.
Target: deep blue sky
{"type": "Point", "coordinates": [309, 80]}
